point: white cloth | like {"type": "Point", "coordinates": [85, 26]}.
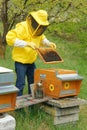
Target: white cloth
{"type": "Point", "coordinates": [20, 43]}
{"type": "Point", "coordinates": [46, 42]}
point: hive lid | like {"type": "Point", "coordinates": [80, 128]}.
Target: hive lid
{"type": "Point", "coordinates": [8, 89]}
{"type": "Point", "coordinates": [5, 70]}
{"type": "Point", "coordinates": [49, 55]}
{"type": "Point", "coordinates": [69, 77]}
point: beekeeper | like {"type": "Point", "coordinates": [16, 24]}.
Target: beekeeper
{"type": "Point", "coordinates": [25, 38]}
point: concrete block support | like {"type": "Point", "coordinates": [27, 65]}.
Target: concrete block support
{"type": "Point", "coordinates": [64, 110]}
{"type": "Point", "coordinates": [7, 122]}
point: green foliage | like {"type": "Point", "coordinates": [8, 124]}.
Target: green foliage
{"type": "Point", "coordinates": [58, 11]}
{"type": "Point", "coordinates": [70, 31]}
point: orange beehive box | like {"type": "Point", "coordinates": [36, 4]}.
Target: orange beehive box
{"type": "Point", "coordinates": [58, 83]}
{"type": "Point", "coordinates": [8, 91]}
{"type": "Point", "coordinates": [8, 98]}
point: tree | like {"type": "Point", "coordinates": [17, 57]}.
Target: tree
{"type": "Point", "coordinates": [9, 15]}
{"type": "Point", "coordinates": [13, 11]}
{"type": "Point", "coordinates": [8, 20]}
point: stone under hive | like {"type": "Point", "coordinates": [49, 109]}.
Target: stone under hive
{"type": "Point", "coordinates": [64, 110]}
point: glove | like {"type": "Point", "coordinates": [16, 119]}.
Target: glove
{"type": "Point", "coordinates": [32, 45]}
{"type": "Point", "coordinates": [22, 43]}
{"type": "Point", "coordinates": [52, 45]}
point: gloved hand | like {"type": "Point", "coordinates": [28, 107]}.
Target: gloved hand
{"type": "Point", "coordinates": [22, 43]}
{"type": "Point", "coordinates": [32, 45]}
{"type": "Point", "coordinates": [52, 45]}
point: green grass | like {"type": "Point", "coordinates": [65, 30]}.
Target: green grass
{"type": "Point", "coordinates": [74, 55]}
{"type": "Point", "coordinates": [36, 119]}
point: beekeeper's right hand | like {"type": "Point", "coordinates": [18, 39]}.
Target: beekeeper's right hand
{"type": "Point", "coordinates": [22, 43]}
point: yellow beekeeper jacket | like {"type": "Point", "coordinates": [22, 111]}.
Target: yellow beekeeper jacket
{"type": "Point", "coordinates": [23, 32]}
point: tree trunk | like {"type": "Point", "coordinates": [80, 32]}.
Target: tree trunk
{"type": "Point", "coordinates": [4, 20]}
{"type": "Point", "coordinates": [2, 48]}
{"type": "Point", "coordinates": [5, 28]}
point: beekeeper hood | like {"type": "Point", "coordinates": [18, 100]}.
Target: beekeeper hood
{"type": "Point", "coordinates": [38, 22]}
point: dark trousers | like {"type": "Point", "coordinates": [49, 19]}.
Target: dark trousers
{"type": "Point", "coordinates": [23, 70]}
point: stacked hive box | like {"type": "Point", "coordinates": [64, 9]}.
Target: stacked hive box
{"type": "Point", "coordinates": [63, 86]}
{"type": "Point", "coordinates": [8, 91]}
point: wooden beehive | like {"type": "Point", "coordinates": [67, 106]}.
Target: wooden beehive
{"type": "Point", "coordinates": [8, 99]}
{"type": "Point", "coordinates": [58, 83]}
{"type": "Point", "coordinates": [8, 91]}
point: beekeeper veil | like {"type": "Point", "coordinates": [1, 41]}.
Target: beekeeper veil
{"type": "Point", "coordinates": [38, 22]}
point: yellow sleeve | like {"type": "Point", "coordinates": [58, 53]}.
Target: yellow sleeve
{"type": "Point", "coordinates": [10, 37]}
{"type": "Point", "coordinates": [42, 38]}
{"type": "Point", "coordinates": [18, 32]}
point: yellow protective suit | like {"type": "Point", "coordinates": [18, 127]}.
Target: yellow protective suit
{"type": "Point", "coordinates": [25, 54]}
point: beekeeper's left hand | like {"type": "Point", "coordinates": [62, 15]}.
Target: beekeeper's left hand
{"type": "Point", "coordinates": [32, 45]}
{"type": "Point", "coordinates": [52, 45]}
